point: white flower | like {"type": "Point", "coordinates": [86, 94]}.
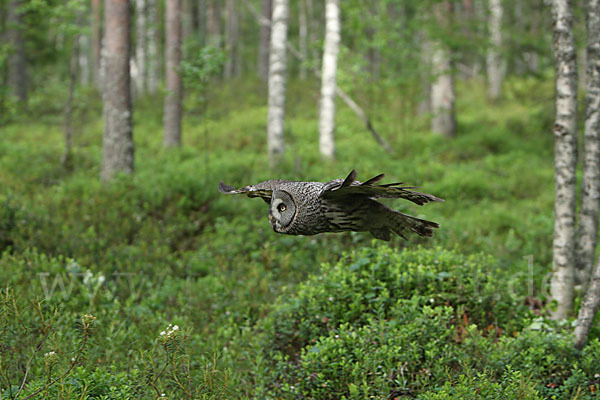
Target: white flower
{"type": "Point", "coordinates": [162, 333]}
{"type": "Point", "coordinates": [49, 354]}
{"type": "Point", "coordinates": [175, 327]}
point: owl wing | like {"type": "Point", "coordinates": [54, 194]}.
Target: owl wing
{"type": "Point", "coordinates": [263, 190]}
{"type": "Point", "coordinates": [350, 186]}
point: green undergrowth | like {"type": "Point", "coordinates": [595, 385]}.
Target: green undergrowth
{"type": "Point", "coordinates": [262, 315]}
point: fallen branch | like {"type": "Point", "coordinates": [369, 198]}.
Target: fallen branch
{"type": "Point", "coordinates": [262, 20]}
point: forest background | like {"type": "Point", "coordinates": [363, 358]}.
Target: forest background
{"type": "Point", "coordinates": [125, 274]}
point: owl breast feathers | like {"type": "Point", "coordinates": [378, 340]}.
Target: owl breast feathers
{"type": "Point", "coordinates": [308, 208]}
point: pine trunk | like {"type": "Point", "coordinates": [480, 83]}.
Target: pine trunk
{"type": "Point", "coordinates": [172, 111]}
{"type": "Point", "coordinates": [67, 155]}
{"type": "Point", "coordinates": [494, 62]}
{"type": "Point", "coordinates": [587, 233]}
{"type": "Point", "coordinates": [140, 47]}
{"type": "Point", "coordinates": [117, 146]}
{"type": "Point", "coordinates": [328, 79]}
{"type": "Point", "coordinates": [265, 42]}
{"type": "Point", "coordinates": [17, 72]}
{"type": "Point", "coordinates": [213, 23]}
{"type": "Point", "coordinates": [277, 80]}
{"type": "Point", "coordinates": [565, 158]}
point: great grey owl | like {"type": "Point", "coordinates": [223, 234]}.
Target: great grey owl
{"type": "Point", "coordinates": [308, 208]}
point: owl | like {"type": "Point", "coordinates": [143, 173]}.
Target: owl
{"type": "Point", "coordinates": [308, 208]}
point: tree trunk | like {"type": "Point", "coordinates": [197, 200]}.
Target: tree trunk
{"type": "Point", "coordinates": [152, 40]}
{"type": "Point", "coordinates": [17, 64]}
{"type": "Point", "coordinates": [277, 80]}
{"type": "Point", "coordinates": [313, 32]}
{"type": "Point", "coordinates": [67, 155]}
{"type": "Point", "coordinates": [494, 62]}
{"type": "Point", "coordinates": [588, 310]}
{"type": "Point", "coordinates": [117, 146]}
{"type": "Point", "coordinates": [213, 23]}
{"type": "Point", "coordinates": [303, 38]}
{"type": "Point", "coordinates": [442, 89]}
{"type": "Point", "coordinates": [97, 41]}
{"type": "Point", "coordinates": [328, 79]}
{"type": "Point", "coordinates": [442, 93]}
{"type": "Point", "coordinates": [265, 42]}
{"type": "Point", "coordinates": [424, 106]}
{"type": "Point", "coordinates": [140, 47]}
{"type": "Point", "coordinates": [587, 233]}
{"type": "Point", "coordinates": [565, 158]}
{"type": "Point", "coordinates": [232, 66]}
{"type": "Point", "coordinates": [172, 112]}
{"type": "Point", "coordinates": [84, 60]}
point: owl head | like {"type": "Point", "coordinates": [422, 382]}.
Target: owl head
{"type": "Point", "coordinates": [282, 211]}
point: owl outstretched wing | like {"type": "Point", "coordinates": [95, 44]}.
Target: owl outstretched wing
{"type": "Point", "coordinates": [263, 190]}
{"type": "Point", "coordinates": [350, 186]}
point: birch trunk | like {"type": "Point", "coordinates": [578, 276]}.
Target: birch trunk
{"type": "Point", "coordinates": [172, 106]}
{"type": "Point", "coordinates": [66, 160]}
{"type": "Point", "coordinates": [97, 41]}
{"type": "Point", "coordinates": [328, 79]}
{"type": "Point", "coordinates": [84, 60]}
{"type": "Point", "coordinates": [152, 39]}
{"type": "Point", "coordinates": [17, 72]}
{"type": "Point", "coordinates": [117, 145]}
{"type": "Point", "coordinates": [565, 158]}
{"type": "Point", "coordinates": [442, 93]}
{"type": "Point", "coordinates": [587, 230]}
{"type": "Point", "coordinates": [232, 65]}
{"type": "Point", "coordinates": [265, 42]}
{"type": "Point", "coordinates": [277, 80]}
{"type": "Point", "coordinates": [494, 62]}
{"type": "Point", "coordinates": [588, 310]}
{"type": "Point", "coordinates": [140, 47]}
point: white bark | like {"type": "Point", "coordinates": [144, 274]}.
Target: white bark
{"type": "Point", "coordinates": [84, 60]}
{"type": "Point", "coordinates": [565, 157]}
{"type": "Point", "coordinates": [442, 93]}
{"type": "Point", "coordinates": [494, 61]}
{"type": "Point", "coordinates": [277, 80]}
{"type": "Point", "coordinates": [587, 233]}
{"type": "Point", "coordinates": [140, 47]}
{"type": "Point", "coordinates": [152, 59]}
{"type": "Point", "coordinates": [328, 79]}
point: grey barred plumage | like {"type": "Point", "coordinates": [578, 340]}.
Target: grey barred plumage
{"type": "Point", "coordinates": [308, 208]}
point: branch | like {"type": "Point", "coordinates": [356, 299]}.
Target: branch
{"type": "Point", "coordinates": [263, 21]}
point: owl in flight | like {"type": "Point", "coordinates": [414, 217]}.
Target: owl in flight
{"type": "Point", "coordinates": [308, 208]}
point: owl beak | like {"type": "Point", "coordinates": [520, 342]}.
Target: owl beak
{"type": "Point", "coordinates": [271, 219]}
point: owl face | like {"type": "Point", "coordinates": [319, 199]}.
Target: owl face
{"type": "Point", "coordinates": [282, 211]}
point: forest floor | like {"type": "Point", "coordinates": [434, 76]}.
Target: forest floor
{"type": "Point", "coordinates": [262, 315]}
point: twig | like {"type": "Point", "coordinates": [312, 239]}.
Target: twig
{"type": "Point", "coordinates": [262, 20]}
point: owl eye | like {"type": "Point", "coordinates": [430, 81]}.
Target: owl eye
{"type": "Point", "coordinates": [281, 208]}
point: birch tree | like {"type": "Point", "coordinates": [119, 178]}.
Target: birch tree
{"type": "Point", "coordinates": [494, 61]}
{"type": "Point", "coordinates": [117, 144]}
{"type": "Point", "coordinates": [587, 230]}
{"type": "Point", "coordinates": [565, 158]}
{"type": "Point", "coordinates": [152, 39]}
{"type": "Point", "coordinates": [140, 47]}
{"type": "Point", "coordinates": [265, 42]}
{"type": "Point", "coordinates": [588, 227]}
{"type": "Point", "coordinates": [277, 80]}
{"type": "Point", "coordinates": [172, 106]}
{"type": "Point", "coordinates": [328, 79]}
{"type": "Point", "coordinates": [442, 89]}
